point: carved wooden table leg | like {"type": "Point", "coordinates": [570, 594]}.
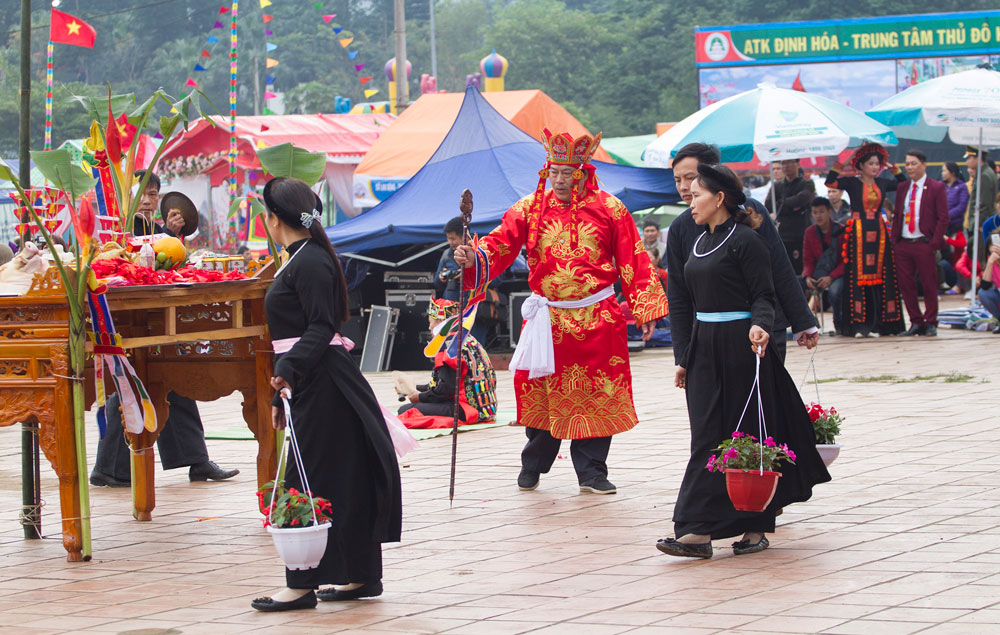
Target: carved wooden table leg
{"type": "Point", "coordinates": [143, 462]}
{"type": "Point", "coordinates": [58, 442]}
{"type": "Point", "coordinates": [257, 414]}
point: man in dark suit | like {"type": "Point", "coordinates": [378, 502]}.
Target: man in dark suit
{"type": "Point", "coordinates": [919, 223]}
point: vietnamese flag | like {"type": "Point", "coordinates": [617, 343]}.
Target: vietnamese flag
{"type": "Point", "coordinates": [67, 29]}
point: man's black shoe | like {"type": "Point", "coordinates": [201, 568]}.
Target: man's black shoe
{"type": "Point", "coordinates": [99, 479]}
{"type": "Point", "coordinates": [527, 480]}
{"type": "Point", "coordinates": [598, 485]}
{"type": "Point", "coordinates": [210, 471]}
{"type": "Point", "coordinates": [930, 330]}
{"type": "Point", "coordinates": [915, 329]}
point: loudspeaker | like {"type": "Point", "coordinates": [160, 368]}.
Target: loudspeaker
{"type": "Point", "coordinates": [514, 319]}
{"type": "Point", "coordinates": [412, 334]}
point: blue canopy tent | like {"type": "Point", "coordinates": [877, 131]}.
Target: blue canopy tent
{"type": "Point", "coordinates": [499, 164]}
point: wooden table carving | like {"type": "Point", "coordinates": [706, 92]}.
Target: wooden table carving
{"type": "Point", "coordinates": [203, 341]}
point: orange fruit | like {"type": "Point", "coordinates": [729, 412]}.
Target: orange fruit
{"type": "Point", "coordinates": [173, 248]}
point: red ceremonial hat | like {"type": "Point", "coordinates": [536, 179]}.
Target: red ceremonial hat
{"type": "Point", "coordinates": [563, 149]}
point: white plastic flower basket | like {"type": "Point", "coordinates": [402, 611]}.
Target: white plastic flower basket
{"type": "Point", "coordinates": [300, 547]}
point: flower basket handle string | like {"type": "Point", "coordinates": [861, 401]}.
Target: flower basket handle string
{"type": "Point", "coordinates": [286, 395]}
{"type": "Point", "coordinates": [811, 366]}
{"type": "Point", "coordinates": [761, 424]}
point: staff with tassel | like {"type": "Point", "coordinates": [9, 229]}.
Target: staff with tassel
{"type": "Point", "coordinates": [466, 208]}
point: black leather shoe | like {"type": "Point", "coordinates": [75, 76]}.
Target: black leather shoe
{"type": "Point", "coordinates": [744, 547]}
{"type": "Point", "coordinates": [307, 601]}
{"type": "Point", "coordinates": [598, 485]}
{"type": "Point", "coordinates": [672, 547]}
{"type": "Point", "coordinates": [930, 330]}
{"type": "Point", "coordinates": [915, 329]}
{"type": "Point", "coordinates": [367, 590]}
{"type": "Point", "coordinates": [100, 479]}
{"type": "Point", "coordinates": [527, 480]}
{"type": "Point", "coordinates": [210, 471]}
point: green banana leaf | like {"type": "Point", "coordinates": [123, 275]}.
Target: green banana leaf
{"type": "Point", "coordinates": [289, 161]}
{"type": "Point", "coordinates": [58, 168]}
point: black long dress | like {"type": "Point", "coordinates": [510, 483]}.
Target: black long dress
{"type": "Point", "coordinates": [736, 276]}
{"type": "Point", "coordinates": [871, 300]}
{"type": "Point", "coordinates": [346, 448]}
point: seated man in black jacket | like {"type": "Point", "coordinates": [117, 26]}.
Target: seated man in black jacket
{"type": "Point", "coordinates": [182, 441]}
{"type": "Point", "coordinates": [790, 309]}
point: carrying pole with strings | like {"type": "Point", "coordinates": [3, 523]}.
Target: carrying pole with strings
{"type": "Point", "coordinates": [466, 208]}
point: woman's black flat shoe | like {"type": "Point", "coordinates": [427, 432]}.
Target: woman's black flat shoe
{"type": "Point", "coordinates": [367, 590]}
{"type": "Point", "coordinates": [744, 547]}
{"type": "Point", "coordinates": [307, 601]}
{"type": "Point", "coordinates": [672, 547]}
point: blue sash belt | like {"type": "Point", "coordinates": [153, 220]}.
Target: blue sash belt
{"type": "Point", "coordinates": [722, 316]}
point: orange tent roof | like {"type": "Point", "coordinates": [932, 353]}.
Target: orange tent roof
{"type": "Point", "coordinates": [411, 140]}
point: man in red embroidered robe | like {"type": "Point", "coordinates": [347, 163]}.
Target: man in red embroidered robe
{"type": "Point", "coordinates": [572, 377]}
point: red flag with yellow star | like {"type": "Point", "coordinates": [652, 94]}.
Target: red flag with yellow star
{"type": "Point", "coordinates": [67, 29]}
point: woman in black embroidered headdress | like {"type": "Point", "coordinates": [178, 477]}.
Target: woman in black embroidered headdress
{"type": "Point", "coordinates": [729, 275]}
{"type": "Point", "coordinates": [871, 299]}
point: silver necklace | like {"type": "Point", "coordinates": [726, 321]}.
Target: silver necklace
{"type": "Point", "coordinates": [694, 248]}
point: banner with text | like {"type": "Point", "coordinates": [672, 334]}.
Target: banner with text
{"type": "Point", "coordinates": [900, 36]}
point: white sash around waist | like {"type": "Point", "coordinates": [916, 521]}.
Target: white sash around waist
{"type": "Point", "coordinates": [535, 352]}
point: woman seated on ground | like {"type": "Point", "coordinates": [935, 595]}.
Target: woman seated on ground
{"type": "Point", "coordinates": [432, 405]}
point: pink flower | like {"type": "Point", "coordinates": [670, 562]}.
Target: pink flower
{"type": "Point", "coordinates": [730, 454]}
{"type": "Point", "coordinates": [738, 434]}
{"type": "Point", "coordinates": [769, 442]}
{"type": "Point", "coordinates": [711, 463]}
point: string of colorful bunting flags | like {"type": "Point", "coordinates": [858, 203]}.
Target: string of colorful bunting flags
{"type": "Point", "coordinates": [346, 41]}
{"type": "Point", "coordinates": [270, 62]}
{"type": "Point", "coordinates": [233, 60]}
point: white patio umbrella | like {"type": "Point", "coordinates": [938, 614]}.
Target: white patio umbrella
{"type": "Point", "coordinates": [776, 123]}
{"type": "Point", "coordinates": [966, 105]}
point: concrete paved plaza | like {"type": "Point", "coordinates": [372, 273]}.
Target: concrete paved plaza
{"type": "Point", "coordinates": [906, 537]}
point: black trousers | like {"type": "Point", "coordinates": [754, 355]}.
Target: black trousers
{"type": "Point", "coordinates": [590, 456]}
{"type": "Point", "coordinates": [180, 444]}
{"type": "Point", "coordinates": [439, 409]}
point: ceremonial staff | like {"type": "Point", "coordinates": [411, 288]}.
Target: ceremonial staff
{"type": "Point", "coordinates": [466, 208]}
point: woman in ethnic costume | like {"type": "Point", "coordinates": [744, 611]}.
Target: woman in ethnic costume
{"type": "Point", "coordinates": [344, 442]}
{"type": "Point", "coordinates": [729, 275]}
{"type": "Point", "coordinates": [871, 300]}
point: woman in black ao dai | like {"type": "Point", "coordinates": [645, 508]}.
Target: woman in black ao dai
{"type": "Point", "coordinates": [344, 442]}
{"type": "Point", "coordinates": [729, 274]}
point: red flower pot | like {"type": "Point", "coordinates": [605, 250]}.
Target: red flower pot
{"type": "Point", "coordinates": [751, 491]}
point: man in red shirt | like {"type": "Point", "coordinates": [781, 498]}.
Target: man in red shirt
{"type": "Point", "coordinates": [918, 227]}
{"type": "Point", "coordinates": [822, 261]}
